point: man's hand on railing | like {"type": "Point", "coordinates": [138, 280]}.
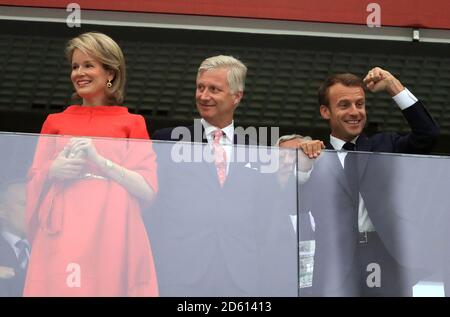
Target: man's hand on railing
{"type": "Point", "coordinates": [311, 148]}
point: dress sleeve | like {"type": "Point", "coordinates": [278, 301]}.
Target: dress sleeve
{"type": "Point", "coordinates": [38, 188]}
{"type": "Point", "coordinates": [141, 157]}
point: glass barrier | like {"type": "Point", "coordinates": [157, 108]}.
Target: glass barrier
{"type": "Point", "coordinates": [234, 239]}
{"type": "Point", "coordinates": [120, 217]}
{"type": "Point", "coordinates": [115, 217]}
{"type": "Point", "coordinates": [380, 224]}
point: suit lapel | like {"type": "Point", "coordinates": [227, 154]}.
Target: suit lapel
{"type": "Point", "coordinates": [335, 168]}
{"type": "Point", "coordinates": [234, 166]}
{"type": "Point", "coordinates": [363, 144]}
{"type": "Point", "coordinates": [193, 134]}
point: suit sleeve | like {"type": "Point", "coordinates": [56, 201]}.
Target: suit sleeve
{"type": "Point", "coordinates": [424, 131]}
{"type": "Point", "coordinates": [163, 135]}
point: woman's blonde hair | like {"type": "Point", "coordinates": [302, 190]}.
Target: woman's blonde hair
{"type": "Point", "coordinates": [105, 50]}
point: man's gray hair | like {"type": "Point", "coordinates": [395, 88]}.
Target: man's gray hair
{"type": "Point", "coordinates": [289, 137]}
{"type": "Point", "coordinates": [237, 71]}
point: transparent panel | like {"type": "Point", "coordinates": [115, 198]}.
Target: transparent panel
{"type": "Point", "coordinates": [235, 239]}
{"type": "Point", "coordinates": [380, 224]}
{"type": "Point", "coordinates": [122, 217]}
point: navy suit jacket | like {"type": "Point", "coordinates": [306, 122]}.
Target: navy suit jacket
{"type": "Point", "coordinates": [12, 287]}
{"type": "Point", "coordinates": [194, 220]}
{"type": "Point", "coordinates": [328, 196]}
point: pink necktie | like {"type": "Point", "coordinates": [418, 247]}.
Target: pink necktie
{"type": "Point", "coordinates": [220, 157]}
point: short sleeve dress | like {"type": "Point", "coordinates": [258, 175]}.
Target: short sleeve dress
{"type": "Point", "coordinates": [88, 237]}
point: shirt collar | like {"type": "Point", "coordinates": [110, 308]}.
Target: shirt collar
{"type": "Point", "coordinates": [338, 143]}
{"type": "Point", "coordinates": [228, 130]}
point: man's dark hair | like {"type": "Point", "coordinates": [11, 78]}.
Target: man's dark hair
{"type": "Point", "coordinates": [347, 79]}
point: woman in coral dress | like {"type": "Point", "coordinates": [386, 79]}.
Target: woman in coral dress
{"type": "Point", "coordinates": [87, 186]}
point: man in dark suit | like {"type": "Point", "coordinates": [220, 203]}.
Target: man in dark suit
{"type": "Point", "coordinates": [204, 229]}
{"type": "Point", "coordinates": [208, 223]}
{"type": "Point", "coordinates": [353, 236]}
{"type": "Point", "coordinates": [13, 245]}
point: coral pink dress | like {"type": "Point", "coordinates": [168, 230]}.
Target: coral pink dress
{"type": "Point", "coordinates": [88, 237]}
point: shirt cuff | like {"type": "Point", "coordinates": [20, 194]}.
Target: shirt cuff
{"type": "Point", "coordinates": [405, 99]}
{"type": "Point", "coordinates": [302, 177]}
